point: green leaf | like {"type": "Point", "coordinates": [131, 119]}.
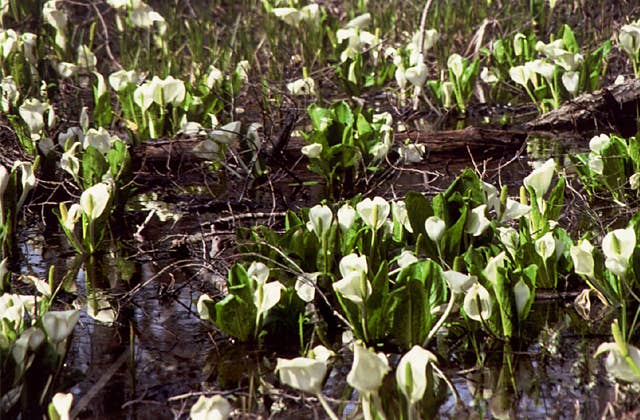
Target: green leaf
{"type": "Point", "coordinates": [343, 114]}
{"type": "Point", "coordinates": [93, 167]}
{"type": "Point", "coordinates": [418, 209]}
{"type": "Point", "coordinates": [556, 200]}
{"type": "Point", "coordinates": [321, 118]}
{"type": "Point", "coordinates": [569, 39]}
{"type": "Point", "coordinates": [409, 318]}
{"type": "Point", "coordinates": [236, 317]}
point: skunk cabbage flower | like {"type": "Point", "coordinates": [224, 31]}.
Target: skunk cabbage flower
{"type": "Point", "coordinates": [597, 143]}
{"type": "Point", "coordinates": [458, 282]}
{"type": "Point", "coordinates": [540, 178]}
{"type": "Point", "coordinates": [302, 373]}
{"type": "Point", "coordinates": [522, 294]}
{"type": "Point", "coordinates": [312, 151]}
{"type": "Point", "coordinates": [435, 228]}
{"type": "Point", "coordinates": [93, 200]}
{"type": "Point", "coordinates": [411, 375]}
{"type": "Point", "coordinates": [545, 246]}
{"type": "Point", "coordinates": [61, 403]}
{"type": "Point", "coordinates": [320, 218]}
{"type": "Point", "coordinates": [304, 86]}
{"type": "Point", "coordinates": [582, 257]}
{"type": "Point", "coordinates": [346, 217]}
{"type": "Point", "coordinates": [406, 258]}
{"type": "Point", "coordinates": [59, 324]}
{"type": "Point", "coordinates": [206, 408]}
{"type": "Point", "coordinates": [122, 79]}
{"type": "Point", "coordinates": [618, 247]}
{"type": "Point", "coordinates": [456, 65]}
{"type": "Point", "coordinates": [374, 212]}
{"type": "Point", "coordinates": [521, 74]}
{"type": "Point", "coordinates": [477, 302]}
{"type": "Point", "coordinates": [305, 286]}
{"type": "Point", "coordinates": [368, 369]}
{"type": "Point", "coordinates": [477, 222]}
{"type": "Point", "coordinates": [399, 212]}
{"type": "Point", "coordinates": [629, 38]}
{"type": "Point", "coordinates": [570, 81]}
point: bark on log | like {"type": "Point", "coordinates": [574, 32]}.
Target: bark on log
{"type": "Point", "coordinates": [611, 109]}
{"type": "Point", "coordinates": [476, 139]}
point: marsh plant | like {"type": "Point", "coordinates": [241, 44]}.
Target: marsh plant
{"type": "Point", "coordinates": [32, 346]}
{"type": "Point", "coordinates": [346, 144]}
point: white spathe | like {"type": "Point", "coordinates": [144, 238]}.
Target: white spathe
{"type": "Point", "coordinates": [411, 375]}
{"type": "Point", "coordinates": [368, 369]}
{"type": "Point", "coordinates": [302, 373]}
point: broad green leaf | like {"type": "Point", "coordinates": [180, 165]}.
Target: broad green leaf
{"type": "Point", "coordinates": [236, 317]}
{"type": "Point", "coordinates": [94, 166]}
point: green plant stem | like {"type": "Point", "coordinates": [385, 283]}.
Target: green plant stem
{"type": "Point", "coordinates": [327, 408]}
{"type": "Point", "coordinates": [443, 318]}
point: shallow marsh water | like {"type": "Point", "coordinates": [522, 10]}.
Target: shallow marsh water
{"type": "Point", "coordinates": [158, 356]}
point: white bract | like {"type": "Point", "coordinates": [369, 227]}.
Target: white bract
{"type": "Point", "coordinates": [32, 112]}
{"type": "Point", "coordinates": [477, 302]}
{"type": "Point", "coordinates": [539, 179]}
{"type": "Point", "coordinates": [86, 59]}
{"type": "Point", "coordinates": [618, 247]}
{"type": "Point", "coordinates": [202, 307]}
{"type": "Point", "coordinates": [513, 209]}
{"type": "Point", "coordinates": [406, 258]}
{"type": "Point", "coordinates": [545, 246]}
{"type": "Point", "coordinates": [160, 91]}
{"type": "Point", "coordinates": [354, 285]}
{"type": "Point", "coordinates": [570, 81]}
{"type": "Point", "coordinates": [521, 74]}
{"type": "Point", "coordinates": [629, 38]}
{"type": "Point", "coordinates": [599, 142]}
{"type": "Point", "coordinates": [210, 408]}
{"type": "Point", "coordinates": [62, 404]}
{"type": "Point", "coordinates": [59, 324]}
{"type": "Point", "coordinates": [346, 217]}
{"type": "Point", "coordinates": [458, 282]}
{"type": "Point", "coordinates": [8, 42]}
{"type": "Point", "coordinates": [122, 79]}
{"type": "Point", "coordinates": [312, 151]}
{"type": "Point", "coordinates": [488, 76]}
{"type": "Point", "coordinates": [416, 75]}
{"type": "Point", "coordinates": [435, 228]}
{"type": "Point", "coordinates": [400, 214]}
{"type": "Point", "coordinates": [412, 152]}
{"type": "Point", "coordinates": [368, 369]}
{"type": "Point", "coordinates": [582, 257]}
{"type": "Point", "coordinates": [143, 16]}
{"type": "Point", "coordinates": [374, 212]}
{"type": "Point", "coordinates": [93, 200]}
{"type": "Point", "coordinates": [617, 365]}
{"type": "Point", "coordinates": [522, 294]}
{"type": "Point", "coordinates": [228, 133]}
{"type": "Point", "coordinates": [411, 375]}
{"type": "Point", "coordinates": [100, 139]}
{"type": "Point", "coordinates": [491, 270]}
{"type": "Point", "coordinates": [58, 20]}
{"type": "Point", "coordinates": [302, 373]}
{"type": "Point", "coordinates": [356, 40]}
{"type": "Point", "coordinates": [320, 218]}
{"type": "Point", "coordinates": [477, 222]}
{"type": "Point", "coordinates": [456, 65]}
{"type": "Point", "coordinates": [304, 86]}
{"type": "Point", "coordinates": [10, 93]}
{"type": "Point", "coordinates": [305, 286]}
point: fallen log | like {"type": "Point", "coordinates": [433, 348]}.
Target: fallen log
{"type": "Point", "coordinates": [611, 109]}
